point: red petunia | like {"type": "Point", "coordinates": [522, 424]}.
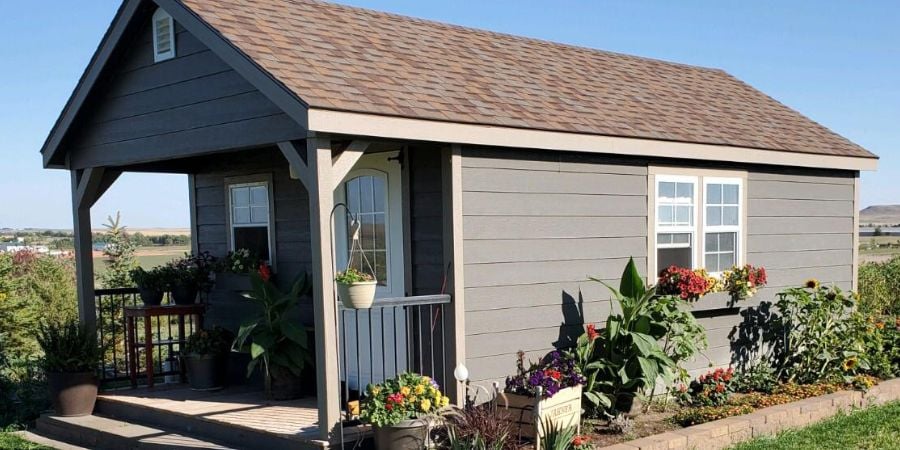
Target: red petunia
{"type": "Point", "coordinates": [265, 272]}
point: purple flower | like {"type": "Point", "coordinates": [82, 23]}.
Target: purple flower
{"type": "Point", "coordinates": [555, 372]}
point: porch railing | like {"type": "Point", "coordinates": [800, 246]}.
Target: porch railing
{"type": "Point", "coordinates": [111, 331]}
{"type": "Point", "coordinates": [394, 336]}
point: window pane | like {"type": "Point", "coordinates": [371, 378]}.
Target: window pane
{"type": "Point", "coordinates": [712, 262]}
{"type": "Point", "coordinates": [667, 190]}
{"type": "Point", "coordinates": [380, 193]}
{"type": "Point", "coordinates": [259, 214]}
{"type": "Point", "coordinates": [379, 232]}
{"type": "Point", "coordinates": [666, 215]}
{"type": "Point", "coordinates": [352, 188]}
{"type": "Point", "coordinates": [714, 215]}
{"type": "Point", "coordinates": [240, 196]}
{"type": "Point", "coordinates": [380, 265]}
{"type": "Point", "coordinates": [726, 242]}
{"type": "Point", "coordinates": [731, 194]}
{"type": "Point", "coordinates": [685, 192]}
{"type": "Point", "coordinates": [712, 242]}
{"type": "Point", "coordinates": [681, 238]}
{"type": "Point", "coordinates": [366, 202]}
{"type": "Point", "coordinates": [683, 215]}
{"type": "Point", "coordinates": [726, 261]}
{"type": "Point", "coordinates": [730, 215]}
{"type": "Point", "coordinates": [259, 196]}
{"type": "Point", "coordinates": [255, 239]}
{"type": "Point", "coordinates": [241, 215]}
{"type": "Point", "coordinates": [666, 257]}
{"type": "Point", "coordinates": [713, 194]}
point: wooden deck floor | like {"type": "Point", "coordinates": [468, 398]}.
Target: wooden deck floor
{"type": "Point", "coordinates": [237, 407]}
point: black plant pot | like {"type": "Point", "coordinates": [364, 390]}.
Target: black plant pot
{"type": "Point", "coordinates": [285, 385]}
{"type": "Point", "coordinates": [184, 294]}
{"type": "Point", "coordinates": [151, 297]}
{"type": "Point", "coordinates": [73, 394]}
{"type": "Point", "coordinates": [206, 372]}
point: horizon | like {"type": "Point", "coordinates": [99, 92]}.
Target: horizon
{"type": "Point", "coordinates": [835, 63]}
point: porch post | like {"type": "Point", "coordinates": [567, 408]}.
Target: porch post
{"type": "Point", "coordinates": [84, 261]}
{"type": "Point", "coordinates": [321, 202]}
{"type": "Point", "coordinates": [453, 258]}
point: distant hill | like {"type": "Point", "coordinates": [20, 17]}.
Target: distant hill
{"type": "Point", "coordinates": [880, 215]}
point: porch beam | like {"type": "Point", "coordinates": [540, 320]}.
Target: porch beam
{"type": "Point", "coordinates": [297, 158]}
{"type": "Point", "coordinates": [321, 203]}
{"type": "Point", "coordinates": [343, 163]}
{"type": "Point", "coordinates": [451, 172]}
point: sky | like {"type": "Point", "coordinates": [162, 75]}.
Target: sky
{"type": "Point", "coordinates": [836, 62]}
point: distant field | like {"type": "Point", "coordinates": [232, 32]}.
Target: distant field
{"type": "Point", "coordinates": [880, 253]}
{"type": "Point", "coordinates": [153, 231]}
{"type": "Point", "coordinates": [148, 257]}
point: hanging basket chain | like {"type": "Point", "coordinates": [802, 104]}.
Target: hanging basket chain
{"type": "Point", "coordinates": [355, 226]}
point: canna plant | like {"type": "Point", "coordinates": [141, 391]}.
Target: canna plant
{"type": "Point", "coordinates": [626, 356]}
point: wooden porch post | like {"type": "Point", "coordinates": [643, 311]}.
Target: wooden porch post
{"type": "Point", "coordinates": [87, 187]}
{"type": "Point", "coordinates": [453, 258]}
{"type": "Point", "coordinates": [321, 202]}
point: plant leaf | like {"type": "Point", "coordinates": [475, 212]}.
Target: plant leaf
{"type": "Point", "coordinates": [632, 285]}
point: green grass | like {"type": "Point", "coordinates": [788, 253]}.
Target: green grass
{"type": "Point", "coordinates": [873, 428]}
{"type": "Point", "coordinates": [9, 441]}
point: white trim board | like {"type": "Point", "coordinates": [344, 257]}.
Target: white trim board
{"type": "Point", "coordinates": [329, 121]}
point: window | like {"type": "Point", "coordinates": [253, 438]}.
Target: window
{"type": "Point", "coordinates": [163, 36]}
{"type": "Point", "coordinates": [698, 220]}
{"type": "Point", "coordinates": [675, 219]}
{"type": "Point", "coordinates": [372, 192]}
{"type": "Point", "coordinates": [723, 224]}
{"type": "Point", "coordinates": [251, 219]}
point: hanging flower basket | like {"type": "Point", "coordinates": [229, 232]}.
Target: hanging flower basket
{"type": "Point", "coordinates": [356, 289]}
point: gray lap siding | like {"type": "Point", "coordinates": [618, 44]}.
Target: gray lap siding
{"type": "Point", "coordinates": [537, 224]}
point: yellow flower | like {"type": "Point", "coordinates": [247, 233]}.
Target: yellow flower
{"type": "Point", "coordinates": [426, 405]}
{"type": "Point", "coordinates": [413, 399]}
{"type": "Point", "coordinates": [811, 283]}
{"type": "Point", "coordinates": [376, 390]}
{"type": "Point", "coordinates": [405, 390]}
{"type": "Point", "coordinates": [420, 389]}
{"type": "Point", "coordinates": [445, 401]}
{"type": "Point", "coordinates": [432, 391]}
{"type": "Point", "coordinates": [850, 363]}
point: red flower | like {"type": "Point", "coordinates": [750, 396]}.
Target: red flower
{"type": "Point", "coordinates": [720, 388]}
{"type": "Point", "coordinates": [265, 272]}
{"type": "Point", "coordinates": [552, 373]}
{"type": "Point", "coordinates": [592, 332]}
{"type": "Point", "coordinates": [580, 440]}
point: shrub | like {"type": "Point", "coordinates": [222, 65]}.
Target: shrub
{"type": "Point", "coordinates": [154, 279]}
{"type": "Point", "coordinates": [23, 392]}
{"type": "Point", "coordinates": [70, 348]}
{"type": "Point", "coordinates": [215, 341]}
{"type": "Point", "coordinates": [711, 389]}
{"type": "Point", "coordinates": [760, 377]}
{"type": "Point", "coordinates": [695, 416]}
{"type": "Point", "coordinates": [879, 287]}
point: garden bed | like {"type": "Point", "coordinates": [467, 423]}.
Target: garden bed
{"type": "Point", "coordinates": [767, 421]}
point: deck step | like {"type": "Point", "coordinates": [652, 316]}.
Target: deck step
{"type": "Point", "coordinates": [32, 436]}
{"type": "Point", "coordinates": [234, 435]}
{"type": "Point", "coordinates": [98, 432]}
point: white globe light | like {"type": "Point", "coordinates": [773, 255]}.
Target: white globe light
{"type": "Point", "coordinates": [461, 373]}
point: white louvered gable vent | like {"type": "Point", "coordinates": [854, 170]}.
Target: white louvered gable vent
{"type": "Point", "coordinates": [163, 36]}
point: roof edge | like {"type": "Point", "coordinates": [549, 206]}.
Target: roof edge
{"type": "Point", "coordinates": [393, 127]}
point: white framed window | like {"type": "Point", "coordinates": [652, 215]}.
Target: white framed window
{"type": "Point", "coordinates": [676, 221]}
{"type": "Point", "coordinates": [372, 191]}
{"type": "Point", "coordinates": [163, 36]}
{"type": "Point", "coordinates": [722, 223]}
{"type": "Point", "coordinates": [250, 219]}
{"type": "Point", "coordinates": [697, 218]}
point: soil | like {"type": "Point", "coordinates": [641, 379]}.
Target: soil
{"type": "Point", "coordinates": [653, 422]}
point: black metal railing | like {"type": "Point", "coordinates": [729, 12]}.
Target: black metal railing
{"type": "Point", "coordinates": [112, 333]}
{"type": "Point", "coordinates": [407, 334]}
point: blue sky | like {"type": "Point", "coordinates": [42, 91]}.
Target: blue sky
{"type": "Point", "coordinates": [837, 62]}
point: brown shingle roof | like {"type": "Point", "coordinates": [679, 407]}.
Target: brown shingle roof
{"type": "Point", "coordinates": [351, 59]}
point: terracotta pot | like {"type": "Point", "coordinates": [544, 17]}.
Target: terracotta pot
{"type": "Point", "coordinates": [73, 394]}
{"type": "Point", "coordinates": [285, 385]}
{"type": "Point", "coordinates": [357, 295]}
{"type": "Point", "coordinates": [151, 297]}
{"type": "Point", "coordinates": [206, 372]}
{"type": "Point", "coordinates": [406, 435]}
{"type": "Point", "coordinates": [184, 294]}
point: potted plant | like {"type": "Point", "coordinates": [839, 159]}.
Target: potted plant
{"type": "Point", "coordinates": [72, 356]}
{"type": "Point", "coordinates": [356, 289]}
{"type": "Point", "coordinates": [151, 284]}
{"type": "Point", "coordinates": [275, 342]}
{"type": "Point", "coordinates": [549, 391]}
{"type": "Point", "coordinates": [396, 410]}
{"type": "Point", "coordinates": [188, 275]}
{"type": "Point", "coordinates": [232, 272]}
{"type": "Point", "coordinates": [205, 357]}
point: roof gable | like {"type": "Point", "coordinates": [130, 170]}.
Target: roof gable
{"type": "Point", "coordinates": [351, 59]}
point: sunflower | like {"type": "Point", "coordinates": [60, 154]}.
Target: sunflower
{"type": "Point", "coordinates": [850, 364]}
{"type": "Point", "coordinates": [811, 283]}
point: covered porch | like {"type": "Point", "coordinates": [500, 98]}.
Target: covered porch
{"type": "Point", "coordinates": [413, 329]}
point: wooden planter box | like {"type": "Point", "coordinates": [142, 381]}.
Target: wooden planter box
{"type": "Point", "coordinates": [529, 413]}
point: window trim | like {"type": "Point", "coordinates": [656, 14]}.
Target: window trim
{"type": "Point", "coordinates": [159, 15]}
{"type": "Point", "coordinates": [739, 228]}
{"type": "Point", "coordinates": [247, 181]}
{"type": "Point", "coordinates": [669, 173]}
{"type": "Point", "coordinates": [677, 229]}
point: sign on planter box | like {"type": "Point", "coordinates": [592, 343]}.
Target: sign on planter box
{"type": "Point", "coordinates": [529, 414]}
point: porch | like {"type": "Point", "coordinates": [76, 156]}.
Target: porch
{"type": "Point", "coordinates": [414, 331]}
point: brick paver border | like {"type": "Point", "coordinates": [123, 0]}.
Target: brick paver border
{"type": "Point", "coordinates": [764, 422]}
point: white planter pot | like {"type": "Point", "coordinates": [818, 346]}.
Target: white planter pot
{"type": "Point", "coordinates": [357, 295]}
